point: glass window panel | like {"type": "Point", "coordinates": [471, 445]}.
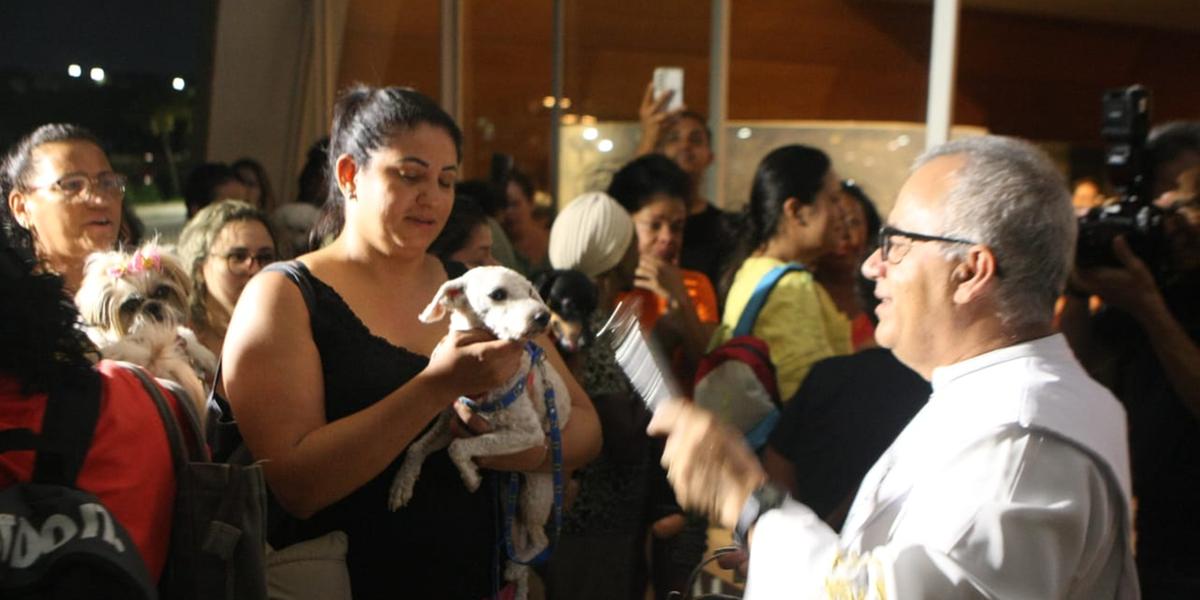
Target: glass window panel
{"type": "Point", "coordinates": [876, 155]}
{"type": "Point", "coordinates": [507, 59]}
{"type": "Point", "coordinates": [612, 50]}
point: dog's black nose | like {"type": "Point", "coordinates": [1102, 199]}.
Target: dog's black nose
{"type": "Point", "coordinates": [542, 319]}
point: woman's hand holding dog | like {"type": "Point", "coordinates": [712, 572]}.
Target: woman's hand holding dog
{"type": "Point", "coordinates": [466, 363]}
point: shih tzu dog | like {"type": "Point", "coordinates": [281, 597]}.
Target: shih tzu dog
{"type": "Point", "coordinates": [134, 307]}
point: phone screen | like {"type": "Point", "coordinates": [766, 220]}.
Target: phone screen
{"type": "Point", "coordinates": [669, 78]}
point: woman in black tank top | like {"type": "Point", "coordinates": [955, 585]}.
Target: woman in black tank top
{"type": "Point", "coordinates": [331, 398]}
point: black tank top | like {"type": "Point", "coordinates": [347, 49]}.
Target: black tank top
{"type": "Point", "coordinates": [443, 544]}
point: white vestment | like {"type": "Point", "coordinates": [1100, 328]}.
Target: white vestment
{"type": "Point", "coordinates": [1012, 482]}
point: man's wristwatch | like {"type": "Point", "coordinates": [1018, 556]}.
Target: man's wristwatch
{"type": "Point", "coordinates": [767, 497]}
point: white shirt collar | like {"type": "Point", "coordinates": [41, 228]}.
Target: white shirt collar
{"type": "Point", "coordinates": [1051, 346]}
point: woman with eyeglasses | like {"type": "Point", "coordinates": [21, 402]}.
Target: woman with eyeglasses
{"type": "Point", "coordinates": [838, 270]}
{"type": "Point", "coordinates": [224, 245]}
{"type": "Point", "coordinates": [63, 199]}
{"type": "Point", "coordinates": [792, 217]}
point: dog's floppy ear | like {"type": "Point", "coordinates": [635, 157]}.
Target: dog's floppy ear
{"type": "Point", "coordinates": [449, 295]}
{"type": "Point", "coordinates": [96, 289]}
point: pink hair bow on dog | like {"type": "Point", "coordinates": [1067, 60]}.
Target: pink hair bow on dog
{"type": "Point", "coordinates": [142, 260]}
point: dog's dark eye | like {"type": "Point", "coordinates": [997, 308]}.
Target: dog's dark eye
{"type": "Point", "coordinates": [131, 304]}
{"type": "Point", "coordinates": [498, 295]}
{"type": "Point", "coordinates": [161, 292]}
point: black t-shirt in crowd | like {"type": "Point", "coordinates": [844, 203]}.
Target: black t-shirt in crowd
{"type": "Point", "coordinates": [707, 243]}
{"type": "Point", "coordinates": [1164, 446]}
{"type": "Point", "coordinates": [844, 416]}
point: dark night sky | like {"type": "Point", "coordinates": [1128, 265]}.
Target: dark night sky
{"type": "Point", "coordinates": [151, 36]}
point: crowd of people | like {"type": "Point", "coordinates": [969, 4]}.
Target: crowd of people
{"type": "Point", "coordinates": [964, 412]}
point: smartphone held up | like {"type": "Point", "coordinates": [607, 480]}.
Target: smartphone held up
{"type": "Point", "coordinates": [669, 79]}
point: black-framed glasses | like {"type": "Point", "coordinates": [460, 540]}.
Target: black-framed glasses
{"type": "Point", "coordinates": [892, 252]}
{"type": "Point", "coordinates": [109, 185]}
{"type": "Point", "coordinates": [239, 259]}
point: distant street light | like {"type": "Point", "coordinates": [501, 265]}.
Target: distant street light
{"type": "Point", "coordinates": [74, 71]}
{"type": "Point", "coordinates": [605, 145]}
{"type": "Point", "coordinates": [97, 74]}
{"type": "Point", "coordinates": [178, 84]}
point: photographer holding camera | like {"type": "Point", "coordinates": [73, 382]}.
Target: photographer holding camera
{"type": "Point", "coordinates": [1141, 344]}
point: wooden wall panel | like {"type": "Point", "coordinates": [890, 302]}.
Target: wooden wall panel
{"type": "Point", "coordinates": [826, 59]}
{"type": "Point", "coordinates": [1037, 77]}
{"type": "Point", "coordinates": [1042, 78]}
{"type": "Point", "coordinates": [613, 48]}
{"type": "Point", "coordinates": [507, 59]}
{"type": "Point", "coordinates": [393, 42]}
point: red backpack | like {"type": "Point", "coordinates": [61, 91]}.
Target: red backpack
{"type": "Point", "coordinates": [736, 380]}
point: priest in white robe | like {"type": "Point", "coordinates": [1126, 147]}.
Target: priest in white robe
{"type": "Point", "coordinates": [1013, 481]}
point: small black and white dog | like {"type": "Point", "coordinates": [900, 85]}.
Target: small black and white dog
{"type": "Point", "coordinates": [571, 298]}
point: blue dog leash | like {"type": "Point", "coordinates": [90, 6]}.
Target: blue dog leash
{"type": "Point", "coordinates": [536, 360]}
{"type": "Point", "coordinates": [535, 354]}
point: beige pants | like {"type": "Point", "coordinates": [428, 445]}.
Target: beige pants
{"type": "Point", "coordinates": [310, 570]}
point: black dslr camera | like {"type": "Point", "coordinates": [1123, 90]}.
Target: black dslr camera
{"type": "Point", "coordinates": [1126, 122]}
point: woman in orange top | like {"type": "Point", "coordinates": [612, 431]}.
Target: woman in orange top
{"type": "Point", "coordinates": [679, 306]}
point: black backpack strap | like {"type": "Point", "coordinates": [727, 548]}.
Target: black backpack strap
{"type": "Point", "coordinates": [193, 432]}
{"type": "Point", "coordinates": [758, 300]}
{"type": "Point", "coordinates": [72, 409]}
{"type": "Point", "coordinates": [180, 453]}
{"type": "Point", "coordinates": [18, 439]}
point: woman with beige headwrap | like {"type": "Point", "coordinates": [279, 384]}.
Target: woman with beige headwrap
{"type": "Point", "coordinates": [595, 236]}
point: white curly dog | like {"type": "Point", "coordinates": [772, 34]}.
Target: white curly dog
{"type": "Point", "coordinates": [505, 303]}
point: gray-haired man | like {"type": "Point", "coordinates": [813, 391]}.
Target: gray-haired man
{"type": "Point", "coordinates": [1013, 480]}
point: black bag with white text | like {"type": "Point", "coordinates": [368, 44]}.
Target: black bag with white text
{"type": "Point", "coordinates": [57, 541]}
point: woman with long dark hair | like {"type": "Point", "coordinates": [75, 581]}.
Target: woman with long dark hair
{"type": "Point", "coordinates": [792, 217]}
{"type": "Point", "coordinates": [43, 351]}
{"type": "Point", "coordinates": [331, 399]}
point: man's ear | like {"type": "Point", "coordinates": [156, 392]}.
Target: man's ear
{"type": "Point", "coordinates": [17, 207]}
{"type": "Point", "coordinates": [346, 172]}
{"type": "Point", "coordinates": [975, 274]}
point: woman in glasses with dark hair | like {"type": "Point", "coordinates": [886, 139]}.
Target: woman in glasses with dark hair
{"type": "Point", "coordinates": [224, 245]}
{"type": "Point", "coordinates": [46, 359]}
{"type": "Point", "coordinates": [62, 198]}
{"type": "Point", "coordinates": [838, 270]}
